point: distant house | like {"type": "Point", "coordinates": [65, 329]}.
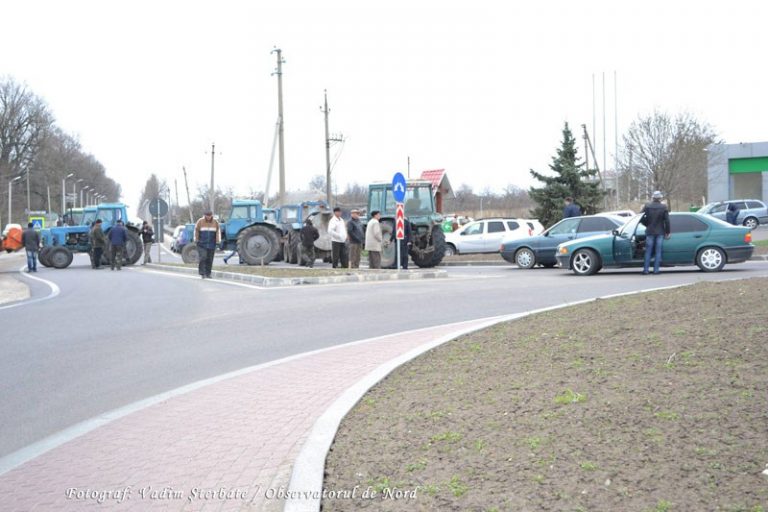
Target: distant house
{"type": "Point", "coordinates": [440, 186]}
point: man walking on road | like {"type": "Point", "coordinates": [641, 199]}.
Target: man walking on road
{"type": "Point", "coordinates": [656, 221]}
{"type": "Point", "coordinates": [118, 236]}
{"type": "Point", "coordinates": [30, 239]}
{"type": "Point", "coordinates": [98, 243]}
{"type": "Point", "coordinates": [374, 240]}
{"type": "Point", "coordinates": [207, 237]}
{"type": "Point", "coordinates": [147, 234]}
{"type": "Point", "coordinates": [338, 232]}
{"type": "Point", "coordinates": [356, 236]}
{"type": "Point", "coordinates": [571, 209]}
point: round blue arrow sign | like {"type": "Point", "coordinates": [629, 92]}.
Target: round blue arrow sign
{"type": "Point", "coordinates": [398, 187]}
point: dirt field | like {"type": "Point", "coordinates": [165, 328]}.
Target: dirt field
{"type": "Point", "coordinates": [655, 402]}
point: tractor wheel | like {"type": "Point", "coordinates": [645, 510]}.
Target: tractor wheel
{"type": "Point", "coordinates": [258, 245]}
{"type": "Point", "coordinates": [438, 240]}
{"type": "Point", "coordinates": [60, 257]}
{"type": "Point", "coordinates": [189, 254]}
{"type": "Point", "coordinates": [43, 255]}
{"type": "Point", "coordinates": [389, 247]}
{"type": "Point", "coordinates": [134, 249]}
{"type": "Point", "coordinates": [293, 249]}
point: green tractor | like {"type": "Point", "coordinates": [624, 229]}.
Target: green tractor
{"type": "Point", "coordinates": [427, 238]}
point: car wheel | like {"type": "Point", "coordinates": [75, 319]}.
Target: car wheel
{"type": "Point", "coordinates": [711, 259]}
{"type": "Point", "coordinates": [524, 258]}
{"type": "Point", "coordinates": [450, 250]}
{"type": "Point", "coordinates": [585, 262]}
{"type": "Point", "coordinates": [751, 222]}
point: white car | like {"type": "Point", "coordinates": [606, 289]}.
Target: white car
{"type": "Point", "coordinates": [485, 235]}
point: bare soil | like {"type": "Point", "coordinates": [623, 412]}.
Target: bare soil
{"type": "Point", "coordinates": [653, 402]}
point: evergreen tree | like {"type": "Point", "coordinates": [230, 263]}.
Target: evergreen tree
{"type": "Point", "coordinates": [570, 178]}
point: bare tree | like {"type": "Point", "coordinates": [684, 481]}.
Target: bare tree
{"type": "Point", "coordinates": [667, 155]}
{"type": "Point", "coordinates": [24, 122]}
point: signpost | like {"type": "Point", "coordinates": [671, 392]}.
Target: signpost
{"type": "Point", "coordinates": [159, 209]}
{"type": "Point", "coordinates": [398, 192]}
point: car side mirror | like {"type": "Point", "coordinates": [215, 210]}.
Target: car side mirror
{"type": "Point", "coordinates": [615, 232]}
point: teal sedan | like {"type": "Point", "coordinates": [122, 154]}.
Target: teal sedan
{"type": "Point", "coordinates": [696, 239]}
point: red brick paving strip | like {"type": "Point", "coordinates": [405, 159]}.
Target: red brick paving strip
{"type": "Point", "coordinates": [239, 435]}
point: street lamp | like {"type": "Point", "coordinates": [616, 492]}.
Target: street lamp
{"type": "Point", "coordinates": [10, 197]}
{"type": "Point", "coordinates": [74, 191]}
{"type": "Point", "coordinates": [64, 192]}
{"type": "Point", "coordinates": [84, 188]}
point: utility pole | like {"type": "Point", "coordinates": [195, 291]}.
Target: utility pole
{"type": "Point", "coordinates": [328, 141]}
{"type": "Point", "coordinates": [327, 152]}
{"type": "Point", "coordinates": [281, 120]}
{"type": "Point", "coordinates": [409, 167]}
{"type": "Point", "coordinates": [29, 208]}
{"type": "Point", "coordinates": [211, 191]}
{"type": "Point", "coordinates": [189, 200]}
{"type": "Point", "coordinates": [176, 188]}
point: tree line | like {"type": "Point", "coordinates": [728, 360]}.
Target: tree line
{"type": "Point", "coordinates": [36, 155]}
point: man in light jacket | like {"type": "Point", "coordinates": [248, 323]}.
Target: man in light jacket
{"type": "Point", "coordinates": [337, 229]}
{"type": "Point", "coordinates": [373, 240]}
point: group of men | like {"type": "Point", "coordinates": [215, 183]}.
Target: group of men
{"type": "Point", "coordinates": [349, 234]}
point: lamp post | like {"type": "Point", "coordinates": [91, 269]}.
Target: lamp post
{"type": "Point", "coordinates": [64, 192]}
{"type": "Point", "coordinates": [74, 192]}
{"type": "Point", "coordinates": [83, 189]}
{"type": "Point", "coordinates": [10, 197]}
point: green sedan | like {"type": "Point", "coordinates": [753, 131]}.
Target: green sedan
{"type": "Point", "coordinates": [706, 241]}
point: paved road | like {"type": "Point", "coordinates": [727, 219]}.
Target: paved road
{"type": "Point", "coordinates": [111, 338]}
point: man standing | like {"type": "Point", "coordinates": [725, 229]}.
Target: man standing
{"type": "Point", "coordinates": [356, 238]}
{"type": "Point", "coordinates": [656, 221]}
{"type": "Point", "coordinates": [308, 235]}
{"type": "Point", "coordinates": [571, 209]}
{"type": "Point", "coordinates": [373, 240]}
{"type": "Point", "coordinates": [338, 232]}
{"type": "Point", "coordinates": [405, 243]}
{"type": "Point", "coordinates": [207, 237]}
{"type": "Point", "coordinates": [147, 234]}
{"type": "Point", "coordinates": [30, 239]}
{"type": "Point", "coordinates": [98, 243]}
{"type": "Point", "coordinates": [118, 236]}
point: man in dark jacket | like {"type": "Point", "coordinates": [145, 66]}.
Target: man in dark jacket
{"type": "Point", "coordinates": [30, 239]}
{"type": "Point", "coordinates": [147, 234]}
{"type": "Point", "coordinates": [356, 238]}
{"type": "Point", "coordinates": [732, 214]}
{"type": "Point", "coordinates": [118, 237]}
{"type": "Point", "coordinates": [207, 236]}
{"type": "Point", "coordinates": [656, 221]}
{"type": "Point", "coordinates": [98, 243]}
{"type": "Point", "coordinates": [308, 235]}
{"type": "Point", "coordinates": [405, 243]}
{"type": "Point", "coordinates": [571, 209]}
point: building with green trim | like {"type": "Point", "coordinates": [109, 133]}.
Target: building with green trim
{"type": "Point", "coordinates": [737, 171]}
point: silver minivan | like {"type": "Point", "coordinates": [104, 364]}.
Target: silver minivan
{"type": "Point", "coordinates": [752, 212]}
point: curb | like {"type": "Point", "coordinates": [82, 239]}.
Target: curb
{"type": "Point", "coordinates": [305, 489]}
{"type": "Point", "coordinates": [474, 264]}
{"type": "Point", "coordinates": [270, 282]}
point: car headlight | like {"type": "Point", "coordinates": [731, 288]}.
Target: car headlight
{"type": "Point", "coordinates": [563, 250]}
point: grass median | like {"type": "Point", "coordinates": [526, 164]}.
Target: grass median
{"type": "Point", "coordinates": [651, 402]}
{"type": "Point", "coordinates": [280, 272]}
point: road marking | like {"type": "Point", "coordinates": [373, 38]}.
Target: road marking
{"type": "Point", "coordinates": [55, 290]}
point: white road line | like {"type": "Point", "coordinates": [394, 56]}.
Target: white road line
{"type": "Point", "coordinates": [53, 286]}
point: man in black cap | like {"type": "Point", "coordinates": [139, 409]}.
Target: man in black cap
{"type": "Point", "coordinates": [207, 237]}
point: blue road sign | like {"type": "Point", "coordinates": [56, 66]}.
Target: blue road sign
{"type": "Point", "coordinates": [37, 222]}
{"type": "Point", "coordinates": [398, 187]}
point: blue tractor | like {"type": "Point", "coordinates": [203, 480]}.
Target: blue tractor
{"type": "Point", "coordinates": [61, 242]}
{"type": "Point", "coordinates": [249, 230]}
{"type": "Point", "coordinates": [290, 221]}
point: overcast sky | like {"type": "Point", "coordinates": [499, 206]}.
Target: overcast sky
{"type": "Point", "coordinates": [479, 88]}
